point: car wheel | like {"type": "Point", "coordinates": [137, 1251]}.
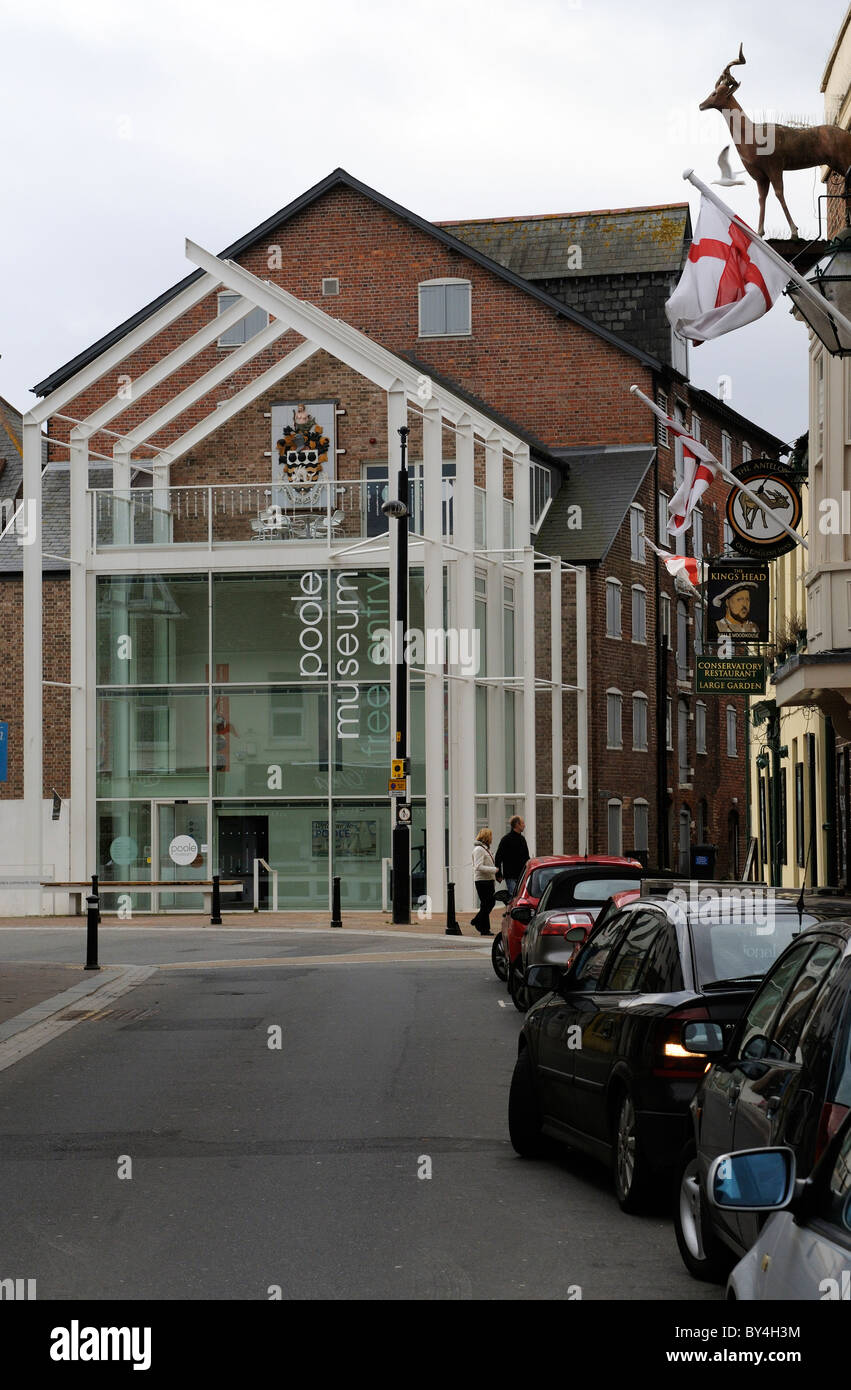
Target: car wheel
{"type": "Point", "coordinates": [517, 986]}
{"type": "Point", "coordinates": [498, 961]}
{"type": "Point", "coordinates": [632, 1180]}
{"type": "Point", "coordinates": [704, 1254]}
{"type": "Point", "coordinates": [524, 1112]}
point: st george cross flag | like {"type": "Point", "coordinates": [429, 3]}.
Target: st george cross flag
{"type": "Point", "coordinates": [687, 566]}
{"type": "Point", "coordinates": [699, 469]}
{"type": "Point", "coordinates": [728, 280]}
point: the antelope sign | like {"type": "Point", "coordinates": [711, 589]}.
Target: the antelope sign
{"type": "Point", "coordinates": [755, 531]}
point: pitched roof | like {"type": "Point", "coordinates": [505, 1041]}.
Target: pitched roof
{"type": "Point", "coordinates": [334, 180]}
{"type": "Point", "coordinates": [603, 482]}
{"type": "Point", "coordinates": [618, 241]}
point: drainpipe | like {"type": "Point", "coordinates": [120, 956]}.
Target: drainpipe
{"type": "Point", "coordinates": [831, 876]}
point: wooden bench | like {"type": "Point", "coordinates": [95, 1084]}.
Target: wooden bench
{"type": "Point", "coordinates": [79, 891]}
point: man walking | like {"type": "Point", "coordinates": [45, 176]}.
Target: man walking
{"type": "Point", "coordinates": [512, 855]}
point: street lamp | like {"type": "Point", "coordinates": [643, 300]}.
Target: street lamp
{"type": "Point", "coordinates": [397, 509]}
{"type": "Point", "coordinates": [831, 278]}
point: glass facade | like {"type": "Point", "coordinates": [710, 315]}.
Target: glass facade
{"type": "Point", "coordinates": [263, 703]}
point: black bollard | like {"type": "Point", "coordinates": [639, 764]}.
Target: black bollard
{"type": "Point", "coordinates": [96, 893]}
{"type": "Point", "coordinates": [92, 918]}
{"type": "Point", "coordinates": [452, 927]}
{"type": "Point", "coordinates": [336, 915]}
{"type": "Point", "coordinates": [216, 904]}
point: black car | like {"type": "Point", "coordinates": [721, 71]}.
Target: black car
{"type": "Point", "coordinates": [602, 1065]}
{"type": "Point", "coordinates": [784, 1077]}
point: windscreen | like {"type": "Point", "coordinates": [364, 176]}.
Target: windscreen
{"type": "Point", "coordinates": [726, 949]}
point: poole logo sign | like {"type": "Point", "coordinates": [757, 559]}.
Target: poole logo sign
{"type": "Point", "coordinates": [755, 531]}
{"type": "Point", "coordinates": [183, 850]}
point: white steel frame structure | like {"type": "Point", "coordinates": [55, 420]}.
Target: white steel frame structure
{"type": "Point", "coordinates": [403, 387]}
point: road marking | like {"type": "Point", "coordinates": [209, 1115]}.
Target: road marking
{"type": "Point", "coordinates": [51, 1018]}
{"type": "Point", "coordinates": [360, 958]}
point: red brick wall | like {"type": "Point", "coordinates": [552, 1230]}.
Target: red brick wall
{"type": "Point", "coordinates": [57, 619]}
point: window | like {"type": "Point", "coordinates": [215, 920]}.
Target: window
{"type": "Point", "coordinates": [799, 815]}
{"type": "Point", "coordinates": [508, 628]}
{"type": "Point", "coordinates": [661, 428]}
{"type": "Point", "coordinates": [782, 849]}
{"type": "Point", "coordinates": [445, 308]}
{"type": "Point", "coordinates": [255, 320]}
{"type": "Point", "coordinates": [613, 608]}
{"type": "Point", "coordinates": [639, 722]}
{"type": "Point", "coordinates": [702, 821]}
{"type": "Point", "coordinates": [798, 1004]}
{"type": "Point", "coordinates": [633, 950]}
{"type": "Point", "coordinates": [615, 827]}
{"type": "Point", "coordinates": [682, 742]}
{"type": "Point", "coordinates": [697, 533]}
{"type": "Point", "coordinates": [682, 640]}
{"type": "Point", "coordinates": [286, 716]}
{"type": "Point", "coordinates": [695, 427]}
{"type": "Point", "coordinates": [636, 534]}
{"type": "Point", "coordinates": [614, 707]}
{"type": "Point", "coordinates": [700, 727]}
{"type": "Point", "coordinates": [757, 1021]}
{"type": "Point", "coordinates": [592, 959]}
{"type": "Point", "coordinates": [669, 723]}
{"type": "Point", "coordinates": [732, 750]}
{"type": "Point", "coordinates": [665, 619]}
{"type": "Point", "coordinates": [641, 824]}
{"type": "Point", "coordinates": [680, 417]}
{"type": "Point", "coordinates": [639, 613]}
{"type": "Point", "coordinates": [683, 865]}
{"type": "Point", "coordinates": [726, 449]}
{"type": "Point", "coordinates": [662, 521]}
{"type": "Point", "coordinates": [698, 627]}
{"type": "Point", "coordinates": [330, 285]}
{"type": "Point", "coordinates": [747, 452]}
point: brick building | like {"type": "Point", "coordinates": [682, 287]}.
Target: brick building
{"type": "Point", "coordinates": [536, 428]}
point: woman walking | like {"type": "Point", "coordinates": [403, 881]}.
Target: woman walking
{"type": "Point", "coordinates": [484, 874]}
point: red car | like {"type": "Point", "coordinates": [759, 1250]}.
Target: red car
{"type": "Point", "coordinates": [533, 881]}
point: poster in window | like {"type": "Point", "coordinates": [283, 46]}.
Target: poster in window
{"type": "Point", "coordinates": [353, 839]}
{"type": "Point", "coordinates": [304, 441]}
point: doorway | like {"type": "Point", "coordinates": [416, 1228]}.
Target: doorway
{"type": "Point", "coordinates": [180, 851]}
{"type": "Point", "coordinates": [242, 839]}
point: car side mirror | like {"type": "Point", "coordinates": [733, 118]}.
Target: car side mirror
{"type": "Point", "coordinates": [706, 1039]}
{"type": "Point", "coordinates": [576, 935]}
{"type": "Point", "coordinates": [752, 1180]}
{"type": "Point", "coordinates": [523, 914]}
{"type": "Point", "coordinates": [546, 978]}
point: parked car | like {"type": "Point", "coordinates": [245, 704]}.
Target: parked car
{"type": "Point", "coordinates": [553, 938]}
{"type": "Point", "coordinates": [530, 886]}
{"type": "Point", "coordinates": [536, 876]}
{"type": "Point", "coordinates": [601, 1063]}
{"type": "Point", "coordinates": [783, 1077]}
{"type": "Point", "coordinates": [803, 1252]}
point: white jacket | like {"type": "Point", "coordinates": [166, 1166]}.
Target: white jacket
{"type": "Point", "coordinates": [483, 865]}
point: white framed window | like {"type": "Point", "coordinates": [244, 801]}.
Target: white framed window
{"type": "Point", "coordinates": [695, 427]}
{"type": "Point", "coordinates": [636, 533]}
{"type": "Point", "coordinates": [662, 520]}
{"type": "Point", "coordinates": [661, 427]}
{"type": "Point", "coordinates": [697, 533]}
{"type": "Point", "coordinates": [286, 716]}
{"type": "Point", "coordinates": [682, 742]}
{"type": "Point", "coordinates": [732, 750]}
{"type": "Point", "coordinates": [726, 449]}
{"type": "Point", "coordinates": [614, 719]}
{"type": "Point", "coordinates": [669, 723]}
{"type": "Point", "coordinates": [640, 824]}
{"type": "Point", "coordinates": [682, 640]}
{"type": "Point", "coordinates": [639, 613]}
{"type": "Point", "coordinates": [253, 323]}
{"type": "Point", "coordinates": [615, 826]}
{"type": "Point", "coordinates": [680, 414]}
{"type": "Point", "coordinates": [445, 308]}
{"type": "Point", "coordinates": [639, 722]}
{"type": "Point", "coordinates": [698, 627]}
{"type": "Point", "coordinates": [700, 727]}
{"type": "Point", "coordinates": [613, 608]}
{"type": "Point", "coordinates": [747, 452]}
{"type": "Point", "coordinates": [665, 618]}
{"type": "Point", "coordinates": [330, 285]}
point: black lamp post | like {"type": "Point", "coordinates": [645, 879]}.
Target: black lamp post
{"type": "Point", "coordinates": [831, 277]}
{"type": "Point", "coordinates": [398, 509]}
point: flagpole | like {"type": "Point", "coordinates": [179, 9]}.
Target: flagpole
{"type": "Point", "coordinates": [812, 295]}
{"type": "Point", "coordinates": [727, 475]}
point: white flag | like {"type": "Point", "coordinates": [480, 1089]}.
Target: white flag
{"type": "Point", "coordinates": [728, 280]}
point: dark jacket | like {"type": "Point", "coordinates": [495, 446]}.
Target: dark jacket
{"type": "Point", "coordinates": [512, 855]}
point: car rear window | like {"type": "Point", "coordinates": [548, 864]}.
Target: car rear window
{"type": "Point", "coordinates": [735, 950]}
{"type": "Point", "coordinates": [539, 878]}
{"type": "Point", "coordinates": [842, 1064]}
{"type": "Point", "coordinates": [590, 890]}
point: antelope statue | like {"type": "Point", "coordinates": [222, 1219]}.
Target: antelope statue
{"type": "Point", "coordinates": [780, 147]}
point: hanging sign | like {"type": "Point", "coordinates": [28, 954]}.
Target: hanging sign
{"type": "Point", "coordinates": [739, 675]}
{"type": "Point", "coordinates": [755, 532]}
{"type": "Point", "coordinates": [737, 600]}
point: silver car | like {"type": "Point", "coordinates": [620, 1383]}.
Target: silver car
{"type": "Point", "coordinates": [804, 1250]}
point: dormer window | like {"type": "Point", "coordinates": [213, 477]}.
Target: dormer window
{"type": "Point", "coordinates": [445, 309]}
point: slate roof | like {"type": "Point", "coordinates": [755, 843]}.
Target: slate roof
{"type": "Point", "coordinates": [339, 178]}
{"type": "Point", "coordinates": [603, 482]}
{"type": "Point", "coordinates": [619, 241]}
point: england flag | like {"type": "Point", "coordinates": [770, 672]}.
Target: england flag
{"type": "Point", "coordinates": [699, 469]}
{"type": "Point", "coordinates": [728, 280]}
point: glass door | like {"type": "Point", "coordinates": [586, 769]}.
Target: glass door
{"type": "Point", "coordinates": [181, 852]}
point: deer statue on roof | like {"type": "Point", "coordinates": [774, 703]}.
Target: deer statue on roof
{"type": "Point", "coordinates": [768, 150]}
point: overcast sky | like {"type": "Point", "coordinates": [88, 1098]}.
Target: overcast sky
{"type": "Point", "coordinates": [128, 127]}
